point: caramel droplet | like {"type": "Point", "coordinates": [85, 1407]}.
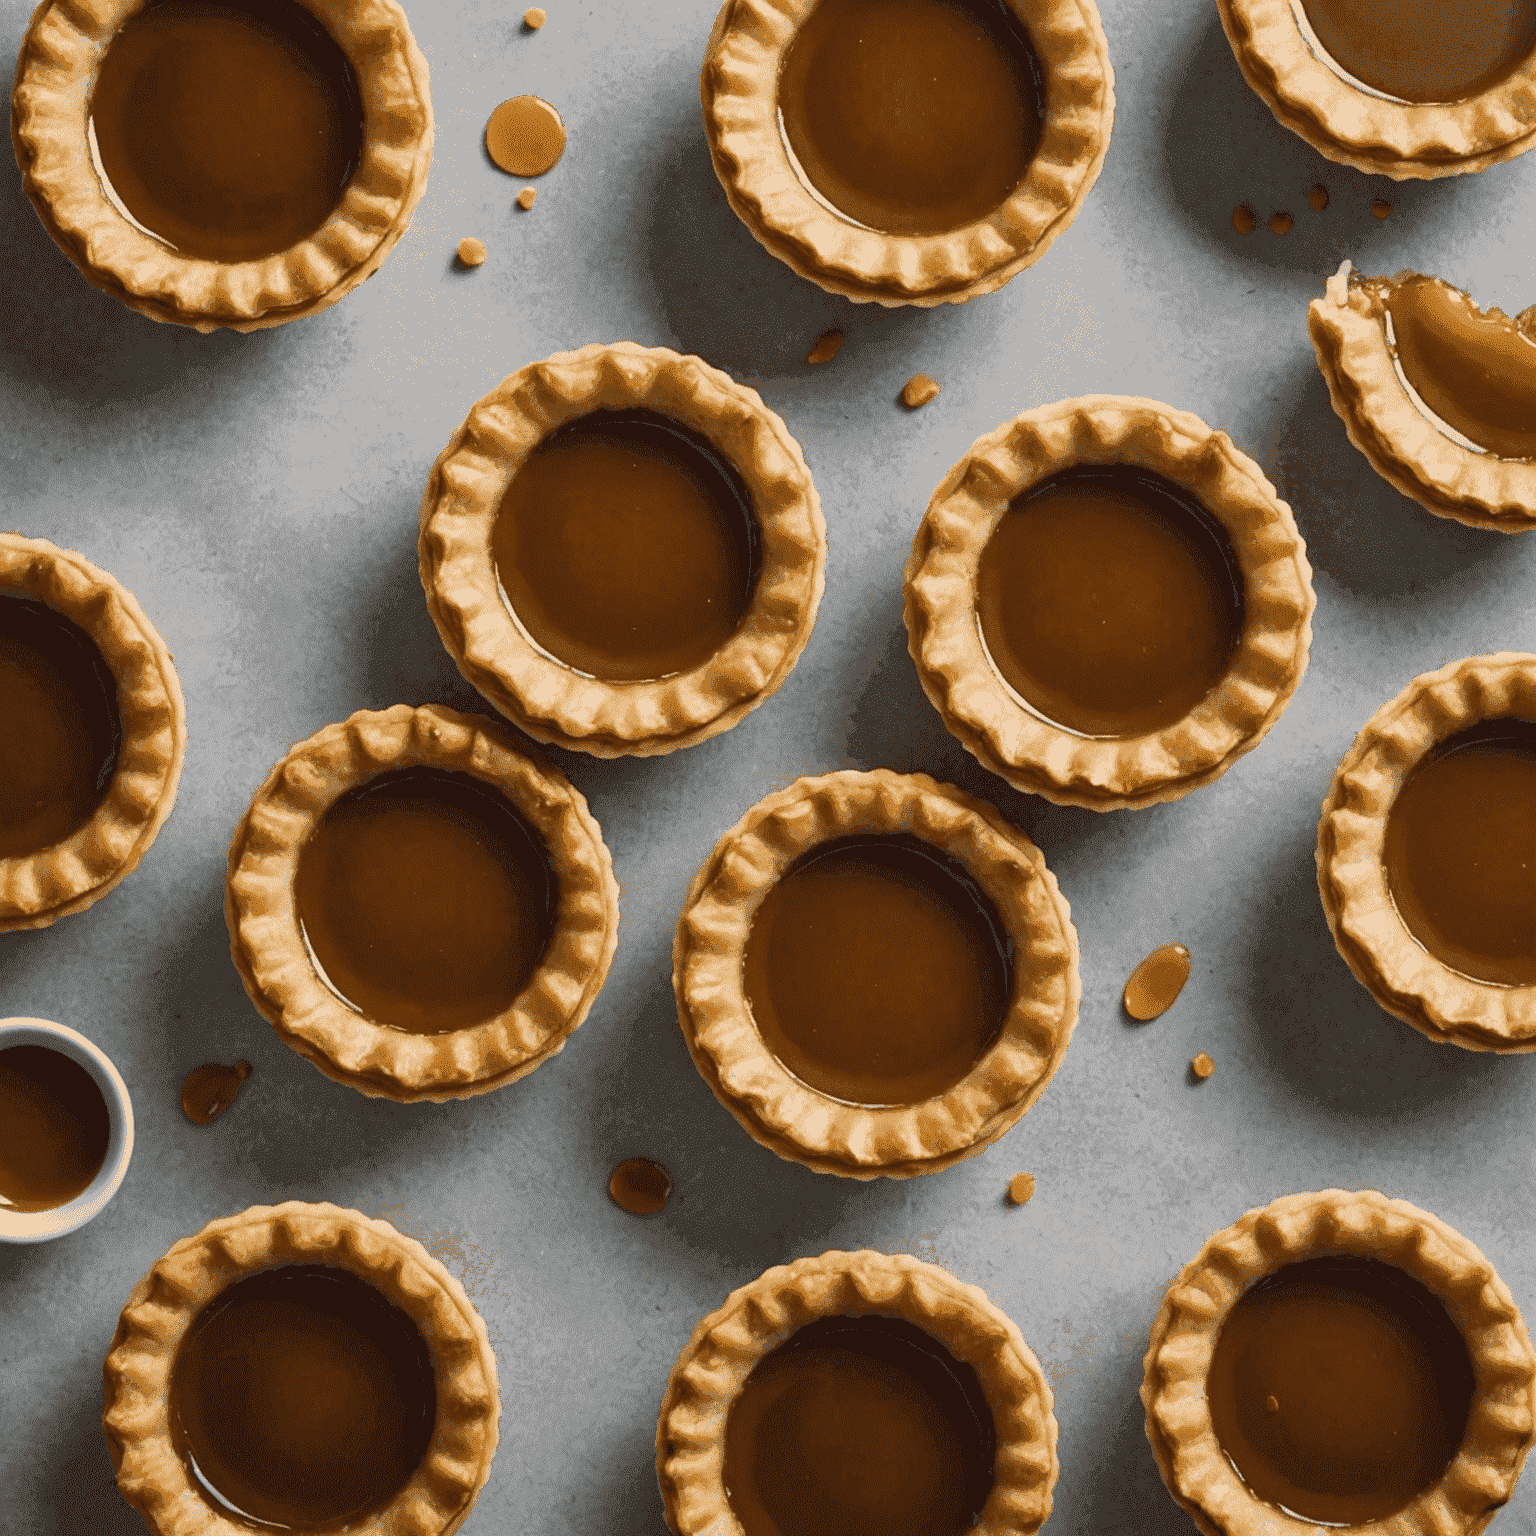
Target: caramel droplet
{"type": "Point", "coordinates": [1202, 1066]}
{"type": "Point", "coordinates": [525, 198]}
{"type": "Point", "coordinates": [1280, 223]}
{"type": "Point", "coordinates": [534, 18]}
{"type": "Point", "coordinates": [1381, 208]}
{"type": "Point", "coordinates": [1155, 984]}
{"type": "Point", "coordinates": [640, 1186]}
{"type": "Point", "coordinates": [1244, 220]}
{"type": "Point", "coordinates": [1272, 1403]}
{"type": "Point", "coordinates": [1318, 197]}
{"type": "Point", "coordinates": [1020, 1187]}
{"type": "Point", "coordinates": [525, 136]}
{"type": "Point", "coordinates": [828, 345]}
{"type": "Point", "coordinates": [209, 1090]}
{"type": "Point", "coordinates": [919, 390]}
{"type": "Point", "coordinates": [472, 252]}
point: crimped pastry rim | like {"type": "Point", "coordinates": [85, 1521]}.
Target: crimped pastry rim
{"type": "Point", "coordinates": [738, 90]}
{"type": "Point", "coordinates": [758, 1317]}
{"type": "Point", "coordinates": [59, 56]}
{"type": "Point", "coordinates": [1399, 972]}
{"type": "Point", "coordinates": [159, 1310]}
{"type": "Point", "coordinates": [1367, 132]}
{"type": "Point", "coordinates": [1367, 1224]}
{"type": "Point", "coordinates": [72, 875]}
{"type": "Point", "coordinates": [978, 708]}
{"type": "Point", "coordinates": [541, 696]}
{"type": "Point", "coordinates": [790, 1117]}
{"type": "Point", "coordinates": [1401, 444]}
{"type": "Point", "coordinates": [268, 946]}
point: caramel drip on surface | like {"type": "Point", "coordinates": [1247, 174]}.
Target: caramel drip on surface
{"type": "Point", "coordinates": [54, 1128]}
{"type": "Point", "coordinates": [1109, 600]}
{"type": "Point", "coordinates": [525, 136]}
{"type": "Point", "coordinates": [1244, 220]}
{"type": "Point", "coordinates": [1425, 50]}
{"type": "Point", "coordinates": [1155, 984]}
{"type": "Point", "coordinates": [302, 1398]}
{"type": "Point", "coordinates": [1339, 1389]}
{"type": "Point", "coordinates": [640, 1186]}
{"type": "Point", "coordinates": [859, 1424]}
{"type": "Point", "coordinates": [426, 899]}
{"type": "Point", "coordinates": [1476, 372]}
{"type": "Point", "coordinates": [914, 117]}
{"type": "Point", "coordinates": [877, 970]}
{"type": "Point", "coordinates": [61, 734]}
{"type": "Point", "coordinates": [1318, 198]}
{"type": "Point", "coordinates": [210, 1090]}
{"type": "Point", "coordinates": [626, 546]}
{"type": "Point", "coordinates": [229, 129]}
{"type": "Point", "coordinates": [1460, 852]}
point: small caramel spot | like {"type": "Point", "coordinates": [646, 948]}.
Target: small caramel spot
{"type": "Point", "coordinates": [1020, 1187]}
{"type": "Point", "coordinates": [1202, 1066]}
{"type": "Point", "coordinates": [640, 1186]}
{"type": "Point", "coordinates": [1155, 984]}
{"type": "Point", "coordinates": [1381, 208]}
{"type": "Point", "coordinates": [1318, 197]}
{"type": "Point", "coordinates": [1280, 223]}
{"type": "Point", "coordinates": [828, 345]}
{"type": "Point", "coordinates": [1244, 221]}
{"type": "Point", "coordinates": [525, 198]}
{"type": "Point", "coordinates": [534, 18]}
{"type": "Point", "coordinates": [1272, 1403]}
{"type": "Point", "coordinates": [919, 390]}
{"type": "Point", "coordinates": [472, 252]}
{"type": "Point", "coordinates": [525, 136]}
{"type": "Point", "coordinates": [210, 1089]}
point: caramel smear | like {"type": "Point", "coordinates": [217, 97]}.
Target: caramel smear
{"type": "Point", "coordinates": [1021, 1188]}
{"type": "Point", "coordinates": [1381, 209]}
{"type": "Point", "coordinates": [210, 1090]}
{"type": "Point", "coordinates": [828, 345]}
{"type": "Point", "coordinates": [525, 198]}
{"type": "Point", "coordinates": [1202, 1066]}
{"type": "Point", "coordinates": [1318, 197]}
{"type": "Point", "coordinates": [472, 252]}
{"type": "Point", "coordinates": [919, 390]}
{"type": "Point", "coordinates": [1155, 984]}
{"type": "Point", "coordinates": [525, 136]}
{"type": "Point", "coordinates": [1280, 223]}
{"type": "Point", "coordinates": [1244, 220]}
{"type": "Point", "coordinates": [534, 18]}
{"type": "Point", "coordinates": [640, 1186]}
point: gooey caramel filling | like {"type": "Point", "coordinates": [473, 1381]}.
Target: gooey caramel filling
{"type": "Point", "coordinates": [1339, 1389]}
{"type": "Point", "coordinates": [427, 901]}
{"type": "Point", "coordinates": [859, 1424]}
{"type": "Point", "coordinates": [1109, 600]}
{"type": "Point", "coordinates": [302, 1398]}
{"type": "Point", "coordinates": [61, 733]}
{"type": "Point", "coordinates": [54, 1128]}
{"type": "Point", "coordinates": [877, 970]}
{"type": "Point", "coordinates": [1460, 852]}
{"type": "Point", "coordinates": [626, 546]}
{"type": "Point", "coordinates": [228, 129]}
{"type": "Point", "coordinates": [912, 117]}
{"type": "Point", "coordinates": [1424, 50]}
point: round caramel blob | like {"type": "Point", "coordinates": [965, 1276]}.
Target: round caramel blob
{"type": "Point", "coordinates": [640, 1186]}
{"type": "Point", "coordinates": [913, 117]}
{"type": "Point", "coordinates": [426, 900]}
{"type": "Point", "coordinates": [877, 970]}
{"type": "Point", "coordinates": [1340, 1389]}
{"type": "Point", "coordinates": [525, 136]}
{"type": "Point", "coordinates": [859, 1424]}
{"type": "Point", "coordinates": [1155, 984]}
{"type": "Point", "coordinates": [54, 1128]}
{"type": "Point", "coordinates": [210, 1089]}
{"type": "Point", "coordinates": [303, 1397]}
{"type": "Point", "coordinates": [627, 547]}
{"type": "Point", "coordinates": [229, 129]}
{"type": "Point", "coordinates": [1109, 600]}
{"type": "Point", "coordinates": [1460, 853]}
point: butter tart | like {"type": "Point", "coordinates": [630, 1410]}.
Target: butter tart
{"type": "Point", "coordinates": [1339, 1359]}
{"type": "Point", "coordinates": [302, 1368]}
{"type": "Point", "coordinates": [92, 733]}
{"type": "Point", "coordinates": [875, 974]}
{"type": "Point", "coordinates": [419, 906]}
{"type": "Point", "coordinates": [1423, 854]}
{"type": "Point", "coordinates": [1439, 396]}
{"type": "Point", "coordinates": [622, 550]}
{"type": "Point", "coordinates": [907, 151]}
{"type": "Point", "coordinates": [1397, 88]}
{"type": "Point", "coordinates": [856, 1391]}
{"type": "Point", "coordinates": [1107, 602]}
{"type": "Point", "coordinates": [223, 164]}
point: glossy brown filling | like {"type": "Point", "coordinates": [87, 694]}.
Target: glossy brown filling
{"type": "Point", "coordinates": [1476, 372]}
{"type": "Point", "coordinates": [1425, 50]}
{"type": "Point", "coordinates": [302, 1398]}
{"type": "Point", "coordinates": [913, 117]}
{"type": "Point", "coordinates": [1110, 600]}
{"type": "Point", "coordinates": [53, 1128]}
{"type": "Point", "coordinates": [61, 732]}
{"type": "Point", "coordinates": [1339, 1389]}
{"type": "Point", "coordinates": [877, 970]}
{"type": "Point", "coordinates": [859, 1424]}
{"type": "Point", "coordinates": [626, 546]}
{"type": "Point", "coordinates": [229, 129]}
{"type": "Point", "coordinates": [426, 899]}
{"type": "Point", "coordinates": [1460, 852]}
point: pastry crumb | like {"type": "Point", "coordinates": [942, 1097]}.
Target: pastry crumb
{"type": "Point", "coordinates": [1280, 223]}
{"type": "Point", "coordinates": [827, 346]}
{"type": "Point", "coordinates": [525, 198]}
{"type": "Point", "coordinates": [472, 252]}
{"type": "Point", "coordinates": [1202, 1066]}
{"type": "Point", "coordinates": [1381, 208]}
{"type": "Point", "coordinates": [534, 18]}
{"type": "Point", "coordinates": [919, 390]}
{"type": "Point", "coordinates": [1020, 1188]}
{"type": "Point", "coordinates": [1244, 221]}
{"type": "Point", "coordinates": [1318, 197]}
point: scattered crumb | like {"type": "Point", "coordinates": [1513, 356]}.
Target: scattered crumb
{"type": "Point", "coordinates": [1381, 208]}
{"type": "Point", "coordinates": [828, 345]}
{"type": "Point", "coordinates": [1020, 1187]}
{"type": "Point", "coordinates": [1202, 1066]}
{"type": "Point", "coordinates": [534, 18]}
{"type": "Point", "coordinates": [1243, 219]}
{"type": "Point", "coordinates": [1318, 197]}
{"type": "Point", "coordinates": [1272, 1403]}
{"type": "Point", "coordinates": [525, 198]}
{"type": "Point", "coordinates": [472, 252]}
{"type": "Point", "coordinates": [919, 390]}
{"type": "Point", "coordinates": [1280, 223]}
